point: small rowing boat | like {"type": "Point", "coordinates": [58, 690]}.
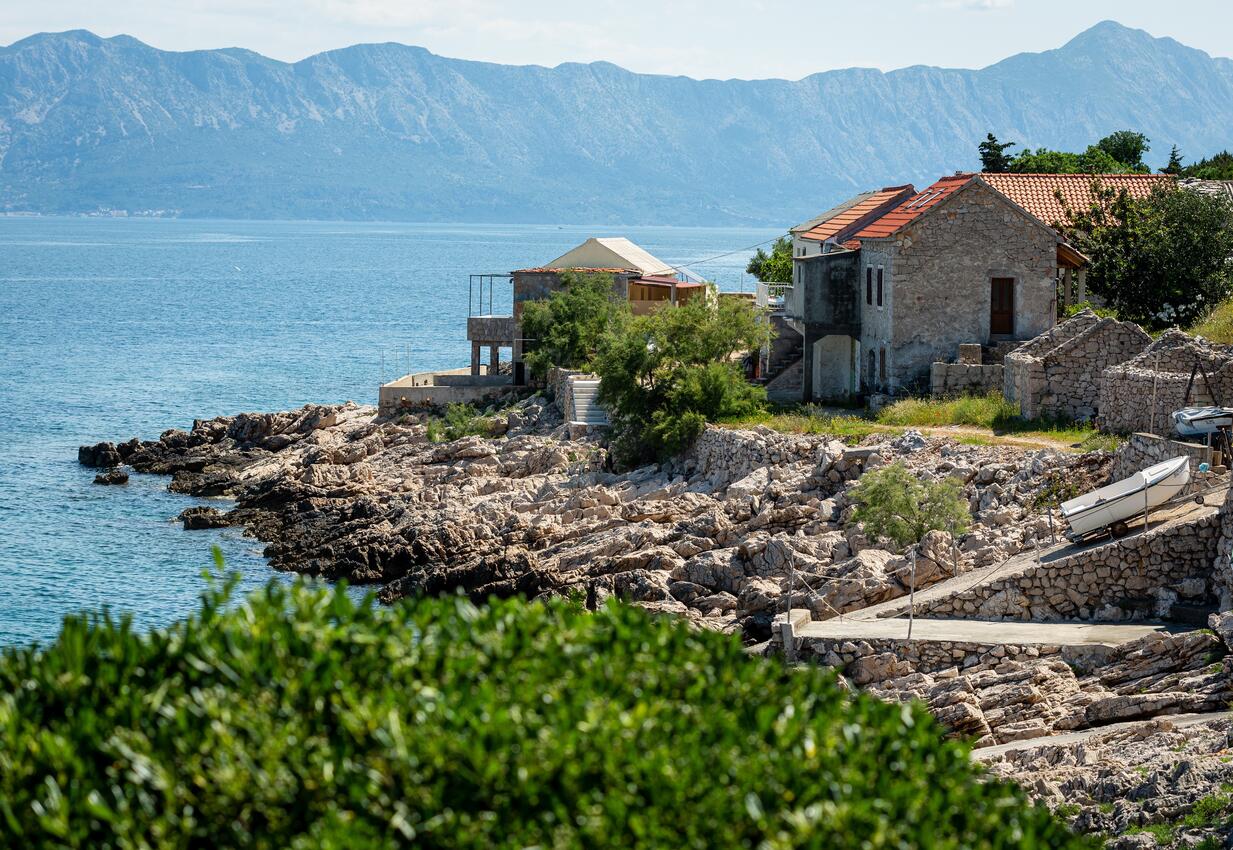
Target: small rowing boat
{"type": "Point", "coordinates": [1125, 499]}
{"type": "Point", "coordinates": [1201, 421]}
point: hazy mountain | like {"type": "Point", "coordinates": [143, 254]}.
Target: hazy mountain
{"type": "Point", "coordinates": [389, 131]}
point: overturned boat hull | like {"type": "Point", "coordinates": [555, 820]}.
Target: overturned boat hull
{"type": "Point", "coordinates": [1123, 500]}
{"type": "Point", "coordinates": [1201, 421]}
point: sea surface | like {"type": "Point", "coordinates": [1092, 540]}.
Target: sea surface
{"type": "Point", "coordinates": [114, 328]}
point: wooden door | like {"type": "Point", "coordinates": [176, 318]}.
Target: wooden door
{"type": "Point", "coordinates": [1002, 307]}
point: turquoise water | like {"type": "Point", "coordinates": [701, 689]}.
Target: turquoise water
{"type": "Point", "coordinates": [112, 328]}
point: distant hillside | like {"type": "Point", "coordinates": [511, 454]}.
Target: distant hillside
{"type": "Point", "coordinates": [395, 132]}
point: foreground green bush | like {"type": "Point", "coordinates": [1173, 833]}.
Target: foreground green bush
{"type": "Point", "coordinates": [302, 719]}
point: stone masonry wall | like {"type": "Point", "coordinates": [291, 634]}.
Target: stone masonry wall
{"type": "Point", "coordinates": [850, 655]}
{"type": "Point", "coordinates": [940, 278]}
{"type": "Point", "coordinates": [1139, 577]}
{"type": "Point", "coordinates": [1061, 376]}
{"type": "Point", "coordinates": [1143, 450]}
{"type": "Point", "coordinates": [1161, 373]}
{"type": "Point", "coordinates": [952, 379]}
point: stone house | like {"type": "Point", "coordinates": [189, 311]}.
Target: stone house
{"type": "Point", "coordinates": [892, 281]}
{"type": "Point", "coordinates": [914, 275]}
{"type": "Point", "coordinates": [643, 280]}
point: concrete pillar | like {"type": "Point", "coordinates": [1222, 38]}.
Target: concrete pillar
{"type": "Point", "coordinates": [494, 359]}
{"type": "Point", "coordinates": [1068, 292]}
{"type": "Point", "coordinates": [806, 365]}
{"type": "Point", "coordinates": [475, 358]}
{"type": "Point", "coordinates": [1082, 296]}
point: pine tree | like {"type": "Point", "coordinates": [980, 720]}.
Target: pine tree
{"type": "Point", "coordinates": [993, 156]}
{"type": "Point", "coordinates": [1175, 162]}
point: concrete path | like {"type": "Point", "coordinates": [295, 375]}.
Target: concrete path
{"type": "Point", "coordinates": [1019, 564]}
{"type": "Point", "coordinates": [982, 631]}
{"type": "Point", "coordinates": [1179, 721]}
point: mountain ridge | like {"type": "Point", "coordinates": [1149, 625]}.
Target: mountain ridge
{"type": "Point", "coordinates": [393, 131]}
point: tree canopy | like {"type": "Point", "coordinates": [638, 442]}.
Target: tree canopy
{"type": "Point", "coordinates": [565, 330]}
{"type": "Point", "coordinates": [1218, 167]}
{"type": "Point", "coordinates": [663, 376]}
{"type": "Point", "coordinates": [994, 158]}
{"type": "Point", "coordinates": [775, 267]}
{"type": "Point", "coordinates": [895, 504]}
{"type": "Point", "coordinates": [304, 719]}
{"type": "Point", "coordinates": [1161, 260]}
{"type": "Point", "coordinates": [1118, 153]}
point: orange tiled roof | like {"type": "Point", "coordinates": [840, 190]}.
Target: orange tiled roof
{"type": "Point", "coordinates": [850, 214]}
{"type": "Point", "coordinates": [584, 269]}
{"type": "Point", "coordinates": [1037, 193]}
{"type": "Point", "coordinates": [914, 206]}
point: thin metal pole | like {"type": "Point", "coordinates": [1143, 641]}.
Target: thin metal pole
{"type": "Point", "coordinates": [912, 596]}
{"type": "Point", "coordinates": [1155, 378]}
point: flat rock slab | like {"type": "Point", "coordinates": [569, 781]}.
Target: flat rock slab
{"type": "Point", "coordinates": [990, 632]}
{"type": "Point", "coordinates": [1179, 721]}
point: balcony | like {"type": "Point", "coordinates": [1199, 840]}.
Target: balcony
{"type": "Point", "coordinates": [491, 330]}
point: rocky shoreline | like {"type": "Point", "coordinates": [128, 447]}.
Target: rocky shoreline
{"type": "Point", "coordinates": [336, 492]}
{"type": "Point", "coordinates": [722, 537]}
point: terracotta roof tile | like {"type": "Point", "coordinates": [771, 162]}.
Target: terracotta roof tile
{"type": "Point", "coordinates": [852, 214]}
{"type": "Point", "coordinates": [914, 206]}
{"type": "Point", "coordinates": [1037, 193]}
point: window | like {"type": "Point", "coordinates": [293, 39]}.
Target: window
{"type": "Point", "coordinates": [869, 285]}
{"type": "Point", "coordinates": [879, 286]}
{"type": "Point", "coordinates": [882, 365]}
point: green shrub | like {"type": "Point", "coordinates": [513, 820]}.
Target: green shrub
{"type": "Point", "coordinates": [460, 420]}
{"type": "Point", "coordinates": [1078, 307]}
{"type": "Point", "coordinates": [303, 719]}
{"type": "Point", "coordinates": [564, 329]}
{"type": "Point", "coordinates": [663, 376]}
{"type": "Point", "coordinates": [894, 503]}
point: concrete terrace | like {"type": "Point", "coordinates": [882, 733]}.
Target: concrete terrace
{"type": "Point", "coordinates": [989, 632]}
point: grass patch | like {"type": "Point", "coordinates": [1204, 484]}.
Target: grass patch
{"type": "Point", "coordinates": [1217, 326]}
{"type": "Point", "coordinates": [992, 413]}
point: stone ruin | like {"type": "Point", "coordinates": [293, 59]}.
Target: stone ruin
{"type": "Point", "coordinates": [1141, 393]}
{"type": "Point", "coordinates": [1059, 373]}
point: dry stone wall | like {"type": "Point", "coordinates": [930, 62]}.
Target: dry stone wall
{"type": "Point", "coordinates": [1138, 577]}
{"type": "Point", "coordinates": [952, 379]}
{"type": "Point", "coordinates": [1058, 375]}
{"type": "Point", "coordinates": [875, 660]}
{"type": "Point", "coordinates": [1143, 450]}
{"type": "Point", "coordinates": [1142, 393]}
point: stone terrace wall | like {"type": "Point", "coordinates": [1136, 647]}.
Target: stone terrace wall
{"type": "Point", "coordinates": [1162, 371]}
{"type": "Point", "coordinates": [1143, 450]}
{"type": "Point", "coordinates": [1061, 377]}
{"type": "Point", "coordinates": [952, 379]}
{"type": "Point", "coordinates": [1138, 577]}
{"type": "Point", "coordinates": [727, 454]}
{"type": "Point", "coordinates": [862, 659]}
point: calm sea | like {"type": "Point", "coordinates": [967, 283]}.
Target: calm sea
{"type": "Point", "coordinates": [112, 328]}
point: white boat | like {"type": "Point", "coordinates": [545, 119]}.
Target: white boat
{"type": "Point", "coordinates": [1201, 421]}
{"type": "Point", "coordinates": [1127, 499]}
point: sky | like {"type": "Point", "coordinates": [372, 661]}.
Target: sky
{"type": "Point", "coordinates": [716, 39]}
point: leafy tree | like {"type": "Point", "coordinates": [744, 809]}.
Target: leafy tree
{"type": "Point", "coordinates": [663, 376]}
{"type": "Point", "coordinates": [1126, 147]}
{"type": "Point", "coordinates": [1094, 160]}
{"type": "Point", "coordinates": [565, 329]}
{"type": "Point", "coordinates": [1160, 261]}
{"type": "Point", "coordinates": [775, 267]}
{"type": "Point", "coordinates": [994, 158]}
{"type": "Point", "coordinates": [1218, 167]}
{"type": "Point", "coordinates": [894, 503]}
{"type": "Point", "coordinates": [302, 718]}
{"type": "Point", "coordinates": [1117, 153]}
{"type": "Point", "coordinates": [1174, 165]}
